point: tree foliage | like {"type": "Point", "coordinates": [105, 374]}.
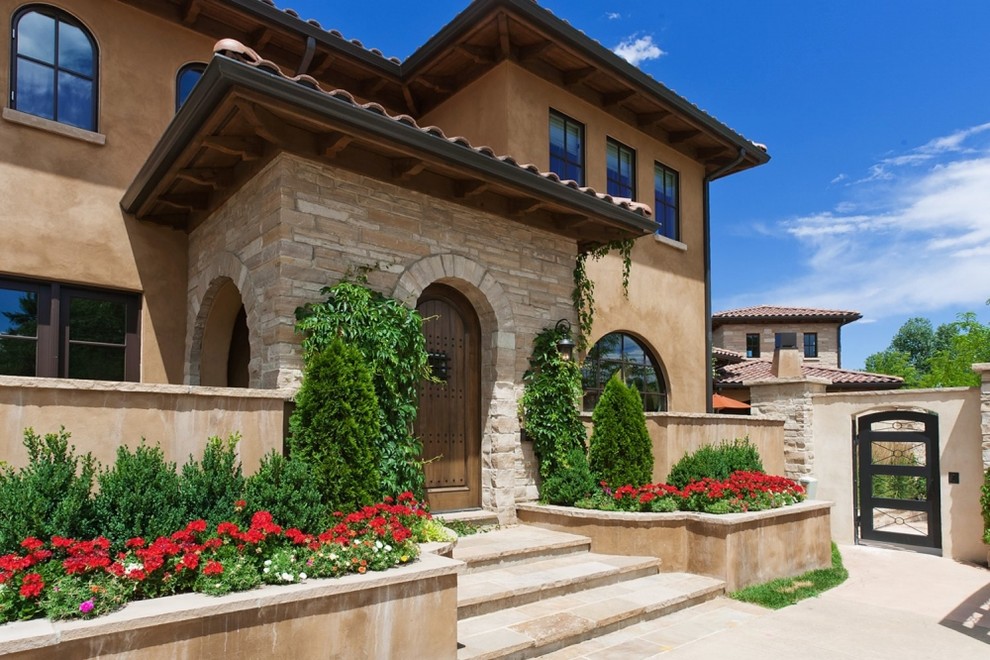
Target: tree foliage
{"type": "Point", "coordinates": [390, 339]}
{"type": "Point", "coordinates": [621, 452]}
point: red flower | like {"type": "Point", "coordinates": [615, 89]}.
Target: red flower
{"type": "Point", "coordinates": [239, 505]}
{"type": "Point", "coordinates": [32, 585]}
{"type": "Point", "coordinates": [136, 542]}
{"type": "Point", "coordinates": [31, 544]}
{"type": "Point", "coordinates": [213, 567]}
{"type": "Point", "coordinates": [190, 560]}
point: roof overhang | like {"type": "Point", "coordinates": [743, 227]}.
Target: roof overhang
{"type": "Point", "coordinates": [241, 116]}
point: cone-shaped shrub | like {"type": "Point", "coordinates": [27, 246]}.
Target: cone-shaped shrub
{"type": "Point", "coordinates": [621, 452]}
{"type": "Point", "coordinates": [335, 427]}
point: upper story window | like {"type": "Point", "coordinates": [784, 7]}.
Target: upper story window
{"type": "Point", "coordinates": [620, 165]}
{"type": "Point", "coordinates": [665, 203]}
{"type": "Point", "coordinates": [53, 67]}
{"type": "Point", "coordinates": [623, 353]}
{"type": "Point", "coordinates": [566, 147]}
{"type": "Point", "coordinates": [47, 329]}
{"type": "Point", "coordinates": [752, 345]}
{"type": "Point", "coordinates": [185, 80]}
{"type": "Point", "coordinates": [811, 344]}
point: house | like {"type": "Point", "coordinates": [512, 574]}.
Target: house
{"type": "Point", "coordinates": [180, 175]}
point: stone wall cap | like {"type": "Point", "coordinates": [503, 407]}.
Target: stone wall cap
{"type": "Point", "coordinates": [23, 382]}
{"type": "Point", "coordinates": [787, 381]}
{"type": "Point", "coordinates": [981, 367]}
{"type": "Point", "coordinates": [727, 519]}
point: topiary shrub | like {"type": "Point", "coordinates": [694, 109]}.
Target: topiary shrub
{"type": "Point", "coordinates": [336, 426]}
{"type": "Point", "coordinates": [51, 496]}
{"type": "Point", "coordinates": [548, 407]}
{"type": "Point", "coordinates": [716, 462]}
{"type": "Point", "coordinates": [139, 496]}
{"type": "Point", "coordinates": [621, 452]}
{"type": "Point", "coordinates": [571, 482]}
{"type": "Point", "coordinates": [286, 488]}
{"type": "Point", "coordinates": [210, 487]}
{"type": "Point", "coordinates": [390, 337]}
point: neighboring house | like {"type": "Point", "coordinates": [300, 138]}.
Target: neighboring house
{"type": "Point", "coordinates": [767, 342]}
{"type": "Point", "coordinates": [167, 209]}
{"type": "Point", "coordinates": [752, 331]}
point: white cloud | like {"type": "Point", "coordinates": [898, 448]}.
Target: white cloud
{"type": "Point", "coordinates": [613, 15]}
{"type": "Point", "coordinates": [635, 49]}
{"type": "Point", "coordinates": [839, 178]}
{"type": "Point", "coordinates": [923, 245]}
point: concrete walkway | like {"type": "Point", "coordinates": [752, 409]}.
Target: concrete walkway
{"type": "Point", "coordinates": [895, 604]}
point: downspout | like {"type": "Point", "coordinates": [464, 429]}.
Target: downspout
{"type": "Point", "coordinates": [706, 222]}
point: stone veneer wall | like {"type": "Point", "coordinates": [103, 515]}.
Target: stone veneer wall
{"type": "Point", "coordinates": [299, 226]}
{"type": "Point", "coordinates": [983, 369]}
{"type": "Point", "coordinates": [790, 399]}
{"type": "Point", "coordinates": [732, 336]}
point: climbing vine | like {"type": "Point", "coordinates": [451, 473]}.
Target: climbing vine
{"type": "Point", "coordinates": [583, 295]}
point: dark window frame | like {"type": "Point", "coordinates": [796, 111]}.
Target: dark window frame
{"type": "Point", "coordinates": [60, 16]}
{"type": "Point", "coordinates": [198, 67]}
{"type": "Point", "coordinates": [561, 168]}
{"type": "Point", "coordinates": [592, 371]}
{"type": "Point", "coordinates": [54, 330]}
{"type": "Point", "coordinates": [614, 184]}
{"type": "Point", "coordinates": [753, 351]}
{"type": "Point", "coordinates": [812, 346]}
{"type": "Point", "coordinates": [668, 224]}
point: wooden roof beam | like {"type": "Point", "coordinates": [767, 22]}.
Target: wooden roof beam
{"type": "Point", "coordinates": [406, 168]}
{"type": "Point", "coordinates": [524, 53]}
{"type": "Point", "coordinates": [676, 137]}
{"type": "Point", "coordinates": [206, 176]}
{"type": "Point", "coordinates": [519, 207]}
{"type": "Point", "coordinates": [331, 144]}
{"type": "Point", "coordinates": [504, 38]}
{"type": "Point", "coordinates": [260, 38]}
{"type": "Point", "coordinates": [610, 100]}
{"type": "Point", "coordinates": [248, 147]}
{"type": "Point", "coordinates": [575, 76]}
{"type": "Point", "coordinates": [647, 119]}
{"type": "Point", "coordinates": [190, 11]}
{"type": "Point", "coordinates": [478, 54]}
{"type": "Point", "coordinates": [465, 189]}
{"type": "Point", "coordinates": [276, 130]}
{"type": "Point", "coordinates": [186, 202]}
{"type": "Point", "coordinates": [709, 152]}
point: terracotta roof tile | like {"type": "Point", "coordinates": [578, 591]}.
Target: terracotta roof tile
{"type": "Point", "coordinates": [236, 50]}
{"type": "Point", "coordinates": [778, 313]}
{"type": "Point", "coordinates": [737, 374]}
{"type": "Point", "coordinates": [725, 355]}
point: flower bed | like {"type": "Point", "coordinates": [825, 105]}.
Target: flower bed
{"type": "Point", "coordinates": [740, 548]}
{"type": "Point", "coordinates": [66, 578]}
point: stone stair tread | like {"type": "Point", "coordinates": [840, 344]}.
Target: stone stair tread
{"type": "Point", "coordinates": [517, 581]}
{"type": "Point", "coordinates": [511, 543]}
{"type": "Point", "coordinates": [572, 618]}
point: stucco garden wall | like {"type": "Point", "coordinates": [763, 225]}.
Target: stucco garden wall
{"type": "Point", "coordinates": [103, 415]}
{"type": "Point", "coordinates": [960, 447]}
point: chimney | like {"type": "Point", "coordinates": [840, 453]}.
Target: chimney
{"type": "Point", "coordinates": [786, 358]}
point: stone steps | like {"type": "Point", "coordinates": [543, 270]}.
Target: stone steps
{"type": "Point", "coordinates": [527, 592]}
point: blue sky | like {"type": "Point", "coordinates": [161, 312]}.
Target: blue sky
{"type": "Point", "coordinates": [876, 114]}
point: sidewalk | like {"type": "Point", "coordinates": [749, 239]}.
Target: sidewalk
{"type": "Point", "coordinates": [895, 604]}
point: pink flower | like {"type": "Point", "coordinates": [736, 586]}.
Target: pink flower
{"type": "Point", "coordinates": [86, 606]}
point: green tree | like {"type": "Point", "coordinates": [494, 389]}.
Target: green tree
{"type": "Point", "coordinates": [621, 451]}
{"type": "Point", "coordinates": [916, 339]}
{"type": "Point", "coordinates": [894, 363]}
{"type": "Point", "coordinates": [968, 343]}
{"type": "Point", "coordinates": [336, 426]}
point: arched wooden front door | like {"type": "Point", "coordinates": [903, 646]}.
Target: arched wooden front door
{"type": "Point", "coordinates": [449, 420]}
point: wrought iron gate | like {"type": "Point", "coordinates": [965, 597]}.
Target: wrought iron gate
{"type": "Point", "coordinates": [898, 478]}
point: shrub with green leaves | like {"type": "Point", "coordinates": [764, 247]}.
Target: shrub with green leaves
{"type": "Point", "coordinates": [390, 337]}
{"type": "Point", "coordinates": [210, 487]}
{"type": "Point", "coordinates": [552, 388]}
{"type": "Point", "coordinates": [286, 488]}
{"type": "Point", "coordinates": [716, 462]}
{"type": "Point", "coordinates": [621, 452]}
{"type": "Point", "coordinates": [50, 496]}
{"type": "Point", "coordinates": [139, 496]}
{"type": "Point", "coordinates": [571, 482]}
{"type": "Point", "coordinates": [985, 505]}
{"type": "Point", "coordinates": [336, 426]}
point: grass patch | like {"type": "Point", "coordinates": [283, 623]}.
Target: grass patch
{"type": "Point", "coordinates": [787, 591]}
{"type": "Point", "coordinates": [465, 528]}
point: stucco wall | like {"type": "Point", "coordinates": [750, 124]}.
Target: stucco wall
{"type": "Point", "coordinates": [958, 410]}
{"type": "Point", "coordinates": [102, 416]}
{"type": "Point", "coordinates": [64, 193]}
{"type": "Point", "coordinates": [666, 302]}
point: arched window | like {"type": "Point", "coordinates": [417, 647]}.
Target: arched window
{"type": "Point", "coordinates": [54, 67]}
{"type": "Point", "coordinates": [619, 352]}
{"type": "Point", "coordinates": [185, 80]}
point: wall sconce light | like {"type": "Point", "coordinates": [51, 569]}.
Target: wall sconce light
{"type": "Point", "coordinates": [565, 345]}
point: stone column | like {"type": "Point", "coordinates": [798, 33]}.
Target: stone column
{"type": "Point", "coordinates": [983, 369]}
{"type": "Point", "coordinates": [790, 398]}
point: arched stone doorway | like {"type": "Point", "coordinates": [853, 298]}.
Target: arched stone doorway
{"type": "Point", "coordinates": [226, 351]}
{"type": "Point", "coordinates": [449, 420]}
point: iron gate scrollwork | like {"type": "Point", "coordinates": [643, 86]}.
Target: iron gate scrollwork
{"type": "Point", "coordinates": [898, 478]}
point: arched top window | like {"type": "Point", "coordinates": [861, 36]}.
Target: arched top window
{"type": "Point", "coordinates": [185, 80]}
{"type": "Point", "coordinates": [54, 66]}
{"type": "Point", "coordinates": [623, 353]}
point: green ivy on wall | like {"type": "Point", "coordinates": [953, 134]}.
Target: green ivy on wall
{"type": "Point", "coordinates": [583, 295]}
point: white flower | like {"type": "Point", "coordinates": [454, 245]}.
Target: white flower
{"type": "Point", "coordinates": [388, 548]}
{"type": "Point", "coordinates": [302, 576]}
{"type": "Point", "coordinates": [333, 557]}
{"type": "Point", "coordinates": [266, 569]}
{"type": "Point", "coordinates": [379, 545]}
{"type": "Point", "coordinates": [133, 567]}
{"type": "Point", "coordinates": [286, 577]}
{"type": "Point", "coordinates": [268, 562]}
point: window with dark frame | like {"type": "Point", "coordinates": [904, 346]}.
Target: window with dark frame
{"type": "Point", "coordinates": [566, 147]}
{"type": "Point", "coordinates": [665, 202]}
{"type": "Point", "coordinates": [53, 67]}
{"type": "Point", "coordinates": [185, 80]}
{"type": "Point", "coordinates": [622, 353]}
{"type": "Point", "coordinates": [753, 345]}
{"type": "Point", "coordinates": [620, 166]}
{"type": "Point", "coordinates": [811, 344]}
{"type": "Point", "coordinates": [51, 330]}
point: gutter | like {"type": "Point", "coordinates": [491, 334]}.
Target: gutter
{"type": "Point", "coordinates": [224, 75]}
{"type": "Point", "coordinates": [706, 230]}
